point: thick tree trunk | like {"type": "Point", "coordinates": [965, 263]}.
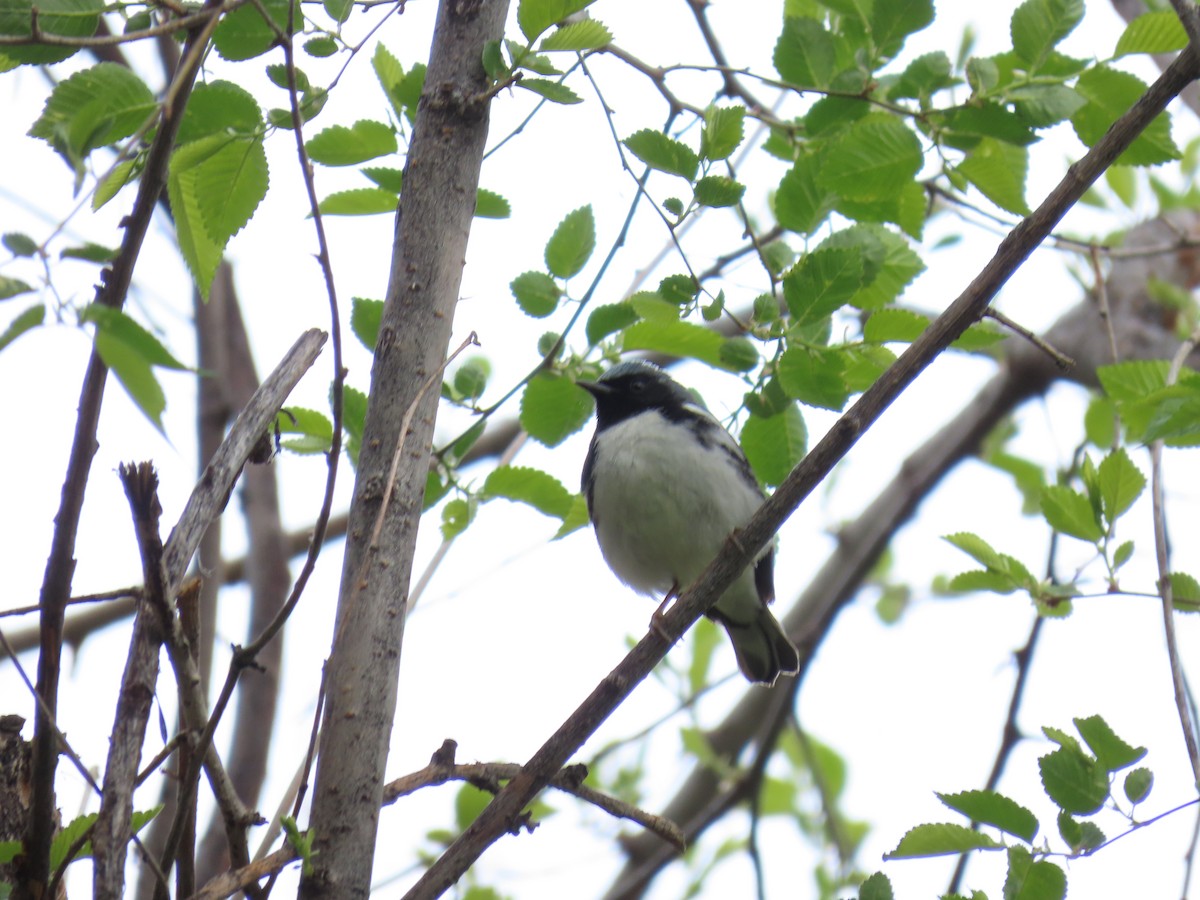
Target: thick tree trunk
{"type": "Point", "coordinates": [432, 225]}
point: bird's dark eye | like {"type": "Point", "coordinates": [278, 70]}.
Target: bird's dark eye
{"type": "Point", "coordinates": [637, 385]}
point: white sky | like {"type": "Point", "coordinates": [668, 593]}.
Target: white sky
{"type": "Point", "coordinates": [514, 631]}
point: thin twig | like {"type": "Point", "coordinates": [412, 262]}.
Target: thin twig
{"type": "Point", "coordinates": [1061, 360]}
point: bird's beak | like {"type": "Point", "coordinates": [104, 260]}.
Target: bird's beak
{"type": "Point", "coordinates": [595, 388]}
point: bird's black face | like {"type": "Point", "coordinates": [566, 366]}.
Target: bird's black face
{"type": "Point", "coordinates": [629, 388]}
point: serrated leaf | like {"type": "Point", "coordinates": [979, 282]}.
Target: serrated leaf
{"type": "Point", "coordinates": [321, 46]}
{"type": "Point", "coordinates": [609, 319]}
{"type": "Point", "coordinates": [456, 516]}
{"type": "Point", "coordinates": [230, 183]}
{"type": "Point", "coordinates": [998, 170]}
{"type": "Point", "coordinates": [813, 377]}
{"type": "Point", "coordinates": [774, 445]}
{"type": "Point", "coordinates": [554, 91]}
{"type": "Point", "coordinates": [991, 808]}
{"type": "Point", "coordinates": [1109, 93]}
{"type": "Point", "coordinates": [1073, 780]}
{"type": "Point", "coordinates": [29, 319]}
{"type": "Point", "coordinates": [338, 10]}
{"type": "Point", "coordinates": [111, 183]}
{"type": "Point", "coordinates": [586, 34]}
{"type": "Point", "coordinates": [822, 283]}
{"type": "Point", "coordinates": [718, 191]}
{"type": "Point", "coordinates": [536, 292]}
{"type": "Point", "coordinates": [1152, 32]}
{"type": "Point", "coordinates": [871, 160]}
{"type": "Point", "coordinates": [20, 244]}
{"type": "Point", "coordinates": [1121, 483]}
{"type": "Point", "coordinates": [939, 840]}
{"type": "Point", "coordinates": [89, 252]}
{"type": "Point", "coordinates": [1112, 752]}
{"type": "Point", "coordinates": [93, 108]}
{"type": "Point", "coordinates": [724, 128]}
{"type": "Point", "coordinates": [893, 324]}
{"type": "Point", "coordinates": [359, 202]}
{"type": "Point", "coordinates": [806, 53]}
{"type": "Point", "coordinates": [876, 887]}
{"type": "Point", "coordinates": [313, 430]}
{"type": "Point", "coordinates": [889, 262]}
{"type": "Point", "coordinates": [665, 154]}
{"type": "Point", "coordinates": [535, 16]}
{"type": "Point", "coordinates": [244, 33]}
{"type": "Point", "coordinates": [1071, 513]}
{"type": "Point", "coordinates": [1030, 880]}
{"type": "Point", "coordinates": [1185, 592]}
{"type": "Point", "coordinates": [63, 18]}
{"type": "Point", "coordinates": [1038, 26]}
{"type": "Point", "coordinates": [533, 487]}
{"type": "Point", "coordinates": [365, 316]}
{"type": "Point", "coordinates": [676, 338]}
{"type": "Point", "coordinates": [553, 408]}
{"type": "Point", "coordinates": [977, 548]}
{"type": "Point", "coordinates": [1137, 784]}
{"type": "Point", "coordinates": [490, 205]}
{"type": "Point", "coordinates": [135, 374]}
{"type": "Point", "coordinates": [571, 245]}
{"type": "Point", "coordinates": [390, 74]}
{"type": "Point", "coordinates": [801, 202]}
{"type": "Point", "coordinates": [338, 145]}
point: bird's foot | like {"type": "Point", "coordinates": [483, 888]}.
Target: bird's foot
{"type": "Point", "coordinates": [658, 620]}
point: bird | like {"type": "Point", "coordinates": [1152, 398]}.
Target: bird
{"type": "Point", "coordinates": [666, 484]}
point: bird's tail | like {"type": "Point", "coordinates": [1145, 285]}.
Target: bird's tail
{"type": "Point", "coordinates": [762, 648]}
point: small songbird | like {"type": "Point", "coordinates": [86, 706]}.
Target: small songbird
{"type": "Point", "coordinates": [666, 484]}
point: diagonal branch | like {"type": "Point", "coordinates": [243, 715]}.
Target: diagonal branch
{"type": "Point", "coordinates": [500, 816]}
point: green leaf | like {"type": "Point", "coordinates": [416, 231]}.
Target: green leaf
{"type": "Point", "coordinates": [1071, 513]}
{"type": "Point", "coordinates": [718, 191]}
{"type": "Point", "coordinates": [314, 430]}
{"type": "Point", "coordinates": [571, 245]}
{"type": "Point", "coordinates": [338, 145]}
{"type": "Point", "coordinates": [924, 77]}
{"type": "Point", "coordinates": [940, 840]}
{"type": "Point", "coordinates": [609, 319]}
{"type": "Point", "coordinates": [390, 73]}
{"type": "Point", "coordinates": [29, 319]}
{"type": "Point", "coordinates": [244, 33]}
{"type": "Point", "coordinates": [20, 244]}
{"type": "Point", "coordinates": [998, 170]}
{"type": "Point", "coordinates": [801, 202]}
{"type": "Point", "coordinates": [365, 316]}
{"type": "Point", "coordinates": [876, 887]}
{"type": "Point", "coordinates": [120, 327]}
{"type": "Point", "coordinates": [200, 251]}
{"type": "Point", "coordinates": [321, 46]}
{"type": "Point", "coordinates": [111, 183]}
{"type": "Point", "coordinates": [676, 338]}
{"type": "Point", "coordinates": [536, 292]}
{"type": "Point", "coordinates": [12, 287]}
{"type": "Point", "coordinates": [977, 548]}
{"type": "Point", "coordinates": [813, 377]}
{"type": "Point", "coordinates": [660, 152]}
{"type": "Point", "coordinates": [553, 408]}
{"type": "Point", "coordinates": [724, 129]}
{"type": "Point", "coordinates": [587, 34]}
{"type": "Point", "coordinates": [806, 53]}
{"type": "Point", "coordinates": [1029, 880]}
{"type": "Point", "coordinates": [93, 108]}
{"type": "Point", "coordinates": [1152, 32]}
{"type": "Point", "coordinates": [359, 202]}
{"type": "Point", "coordinates": [533, 487]}
{"type": "Point", "coordinates": [991, 808]}
{"type": "Point", "coordinates": [1112, 752]}
{"type": "Point", "coordinates": [893, 324]}
{"type": "Point", "coordinates": [387, 178]}
{"type": "Point", "coordinates": [1109, 93]}
{"type": "Point", "coordinates": [535, 16]}
{"type": "Point", "coordinates": [576, 518]}
{"type": "Point", "coordinates": [1073, 780]}
{"type": "Point", "coordinates": [1185, 591]}
{"type": "Point", "coordinates": [740, 354]}
{"type": "Point", "coordinates": [554, 91]}
{"type": "Point", "coordinates": [871, 160]}
{"type": "Point", "coordinates": [63, 18]}
{"type": "Point", "coordinates": [338, 10]}
{"type": "Point", "coordinates": [1038, 26]}
{"type": "Point", "coordinates": [90, 252]}
{"type": "Point", "coordinates": [822, 283]}
{"type": "Point", "coordinates": [1137, 784]}
{"type": "Point", "coordinates": [490, 205]}
{"type": "Point", "coordinates": [1043, 105]}
{"type": "Point", "coordinates": [774, 445]}
{"type": "Point", "coordinates": [889, 262]}
{"type": "Point", "coordinates": [1121, 483]}
{"type": "Point", "coordinates": [892, 22]}
{"type": "Point", "coordinates": [230, 181]}
{"type": "Point", "coordinates": [988, 119]}
{"type": "Point", "coordinates": [354, 419]}
{"type": "Point", "coordinates": [135, 374]}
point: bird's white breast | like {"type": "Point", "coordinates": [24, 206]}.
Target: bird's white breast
{"type": "Point", "coordinates": [686, 498]}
